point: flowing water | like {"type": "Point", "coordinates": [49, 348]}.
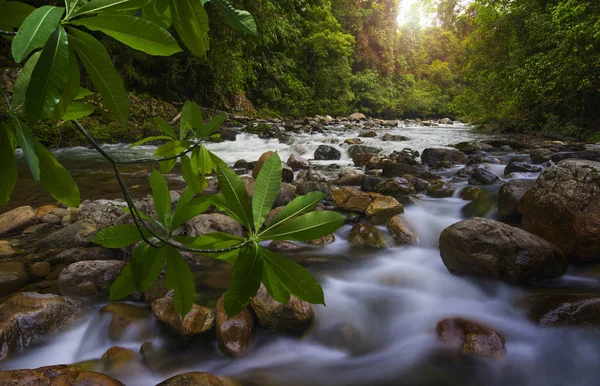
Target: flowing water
{"type": "Point", "coordinates": [382, 307]}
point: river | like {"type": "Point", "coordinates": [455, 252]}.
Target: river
{"type": "Point", "coordinates": [388, 302]}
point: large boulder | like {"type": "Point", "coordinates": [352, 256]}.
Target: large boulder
{"type": "Point", "coordinates": [483, 247]}
{"type": "Point", "coordinates": [540, 155]}
{"type": "Point", "coordinates": [327, 153]}
{"type": "Point", "coordinates": [355, 150]}
{"type": "Point", "coordinates": [214, 222]}
{"type": "Point", "coordinates": [13, 275]}
{"type": "Point", "coordinates": [26, 317]}
{"type": "Point", "coordinates": [509, 196]}
{"type": "Point", "coordinates": [89, 278]}
{"type": "Point", "coordinates": [521, 167]}
{"type": "Point", "coordinates": [198, 321]}
{"type": "Point", "coordinates": [432, 156]}
{"type": "Point", "coordinates": [564, 208]}
{"type": "Point", "coordinates": [564, 308]}
{"type": "Point", "coordinates": [195, 379]}
{"type": "Point", "coordinates": [234, 335]}
{"type": "Point", "coordinates": [55, 376]}
{"type": "Point", "coordinates": [79, 233]}
{"type": "Point", "coordinates": [471, 338]}
{"type": "Point", "coordinates": [104, 213]}
{"type": "Point", "coordinates": [17, 219]}
{"type": "Point", "coordinates": [353, 199]}
{"type": "Point", "coordinates": [296, 316]}
{"type": "Point", "coordinates": [367, 235]}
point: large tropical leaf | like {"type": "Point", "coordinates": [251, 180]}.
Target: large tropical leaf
{"type": "Point", "coordinates": [101, 71]}
{"type": "Point", "coordinates": [191, 23]}
{"type": "Point", "coordinates": [235, 195]}
{"type": "Point", "coordinates": [245, 280]}
{"type": "Point", "coordinates": [13, 13]}
{"type": "Point", "coordinates": [20, 90]}
{"type": "Point", "coordinates": [214, 240]}
{"type": "Point", "coordinates": [191, 119]}
{"type": "Point", "coordinates": [135, 32]}
{"type": "Point", "coordinates": [298, 206]}
{"type": "Point", "coordinates": [78, 111]}
{"type": "Point", "coordinates": [35, 31]}
{"type": "Point", "coordinates": [273, 284]}
{"type": "Point", "coordinates": [190, 210]}
{"type": "Point", "coordinates": [48, 78]}
{"type": "Point", "coordinates": [201, 161]}
{"type": "Point", "coordinates": [212, 126]}
{"type": "Point", "coordinates": [70, 5]}
{"type": "Point", "coordinates": [108, 6]}
{"type": "Point", "coordinates": [118, 236]}
{"type": "Point", "coordinates": [71, 88]}
{"type": "Point", "coordinates": [146, 264]}
{"type": "Point", "coordinates": [179, 278]}
{"type": "Point", "coordinates": [27, 143]}
{"type": "Point", "coordinates": [8, 171]}
{"type": "Point", "coordinates": [162, 198]}
{"type": "Point", "coordinates": [124, 285]}
{"type": "Point", "coordinates": [293, 277]}
{"type": "Point", "coordinates": [165, 127]}
{"type": "Point", "coordinates": [158, 12]}
{"type": "Point", "coordinates": [172, 149]}
{"type": "Point", "coordinates": [196, 183]}
{"type": "Point", "coordinates": [309, 226]}
{"type": "Point", "coordinates": [150, 139]}
{"type": "Point", "coordinates": [238, 19]}
{"type": "Point", "coordinates": [56, 179]}
{"type": "Point", "coordinates": [266, 189]}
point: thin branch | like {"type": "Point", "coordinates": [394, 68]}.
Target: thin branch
{"type": "Point", "coordinates": [139, 222]}
{"type": "Point", "coordinates": [9, 33]}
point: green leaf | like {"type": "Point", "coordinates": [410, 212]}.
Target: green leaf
{"type": "Point", "coordinates": [298, 206]}
{"type": "Point", "coordinates": [245, 280]}
{"type": "Point", "coordinates": [101, 71]}
{"type": "Point", "coordinates": [191, 23]}
{"type": "Point", "coordinates": [165, 127]}
{"type": "Point", "coordinates": [266, 188]}
{"type": "Point", "coordinates": [118, 236]}
{"type": "Point", "coordinates": [190, 210]}
{"type": "Point", "coordinates": [273, 284]}
{"type": "Point", "coordinates": [56, 179]}
{"type": "Point", "coordinates": [293, 277]}
{"type": "Point", "coordinates": [71, 5]}
{"type": "Point", "coordinates": [212, 126]}
{"type": "Point", "coordinates": [82, 93]}
{"type": "Point", "coordinates": [309, 226]}
{"type": "Point", "coordinates": [35, 31]}
{"type": "Point", "coordinates": [190, 177]}
{"type": "Point", "coordinates": [8, 171]}
{"type": "Point", "coordinates": [214, 240]}
{"type": "Point", "coordinates": [143, 216]}
{"type": "Point", "coordinates": [179, 278]}
{"type": "Point", "coordinates": [202, 162]}
{"type": "Point", "coordinates": [108, 6]}
{"type": "Point", "coordinates": [191, 120]}
{"type": "Point", "coordinates": [150, 139]}
{"type": "Point", "coordinates": [135, 32]}
{"type": "Point", "coordinates": [240, 20]}
{"type": "Point", "coordinates": [13, 14]}
{"type": "Point", "coordinates": [123, 286]}
{"type": "Point", "coordinates": [222, 205]}
{"type": "Point", "coordinates": [172, 148]}
{"type": "Point", "coordinates": [27, 143]}
{"type": "Point", "coordinates": [228, 257]}
{"type": "Point", "coordinates": [146, 264]}
{"type": "Point", "coordinates": [77, 111]}
{"type": "Point", "coordinates": [158, 12]}
{"type": "Point", "coordinates": [49, 77]}
{"type": "Point", "coordinates": [23, 80]}
{"type": "Point", "coordinates": [71, 88]}
{"type": "Point", "coordinates": [235, 195]}
{"type": "Point", "coordinates": [167, 166]}
{"type": "Point", "coordinates": [162, 198]}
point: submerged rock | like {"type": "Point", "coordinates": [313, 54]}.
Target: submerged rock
{"type": "Point", "coordinates": [564, 208]}
{"type": "Point", "coordinates": [198, 321]}
{"type": "Point", "coordinates": [128, 321]}
{"type": "Point", "coordinates": [471, 338]}
{"type": "Point", "coordinates": [367, 235]}
{"type": "Point", "coordinates": [564, 308]}
{"type": "Point", "coordinates": [295, 317]}
{"type": "Point", "coordinates": [483, 247]}
{"type": "Point", "coordinates": [26, 317]}
{"type": "Point", "coordinates": [234, 335]}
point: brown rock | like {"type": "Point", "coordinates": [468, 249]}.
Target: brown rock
{"type": "Point", "coordinates": [327, 239]}
{"type": "Point", "coordinates": [89, 278]}
{"type": "Point", "coordinates": [261, 161]}
{"type": "Point", "coordinates": [12, 276]}
{"type": "Point", "coordinates": [213, 222]}
{"type": "Point", "coordinates": [234, 335]}
{"type": "Point", "coordinates": [509, 196]}
{"type": "Point", "coordinates": [56, 376]}
{"type": "Point", "coordinates": [194, 379]}
{"type": "Point", "coordinates": [17, 219]}
{"type": "Point", "coordinates": [198, 321]}
{"type": "Point", "coordinates": [297, 162]}
{"type": "Point", "coordinates": [471, 193]}
{"type": "Point", "coordinates": [471, 338]}
{"type": "Point", "coordinates": [128, 321]}
{"type": "Point", "coordinates": [282, 245]}
{"type": "Point", "coordinates": [353, 199]}
{"type": "Point", "coordinates": [353, 141]}
{"type": "Point", "coordinates": [40, 269]}
{"type": "Point", "coordinates": [367, 235]}
{"type": "Point", "coordinates": [118, 357]}
{"type": "Point", "coordinates": [400, 231]}
{"type": "Point", "coordinates": [6, 250]}
{"type": "Point", "coordinates": [295, 317]}
{"type": "Point", "coordinates": [382, 209]}
{"type": "Point", "coordinates": [45, 209]}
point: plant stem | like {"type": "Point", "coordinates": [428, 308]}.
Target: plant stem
{"type": "Point", "coordinates": [9, 33]}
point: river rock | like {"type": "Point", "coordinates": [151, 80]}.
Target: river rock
{"type": "Point", "coordinates": [509, 196]}
{"type": "Point", "coordinates": [401, 232]}
{"type": "Point", "coordinates": [370, 182]}
{"type": "Point", "coordinates": [214, 222]}
{"type": "Point", "coordinates": [283, 245]}
{"type": "Point", "coordinates": [56, 376]}
{"type": "Point", "coordinates": [471, 338]}
{"type": "Point", "coordinates": [399, 169]}
{"type": "Point", "coordinates": [362, 159]}
{"type": "Point", "coordinates": [195, 379]}
{"type": "Point", "coordinates": [39, 269]}
{"type": "Point", "coordinates": [521, 167]}
{"type": "Point", "coordinates": [234, 335]}
{"type": "Point", "coordinates": [353, 141]}
{"type": "Point", "coordinates": [13, 275]}
{"type": "Point", "coordinates": [80, 233]}
{"type": "Point", "coordinates": [17, 219]}
{"type": "Point", "coordinates": [355, 150]}
{"type": "Point", "coordinates": [261, 161]}
{"type": "Point", "coordinates": [89, 278]}
{"type": "Point", "coordinates": [285, 195]}
{"type": "Point", "coordinates": [6, 250]}
{"type": "Point", "coordinates": [50, 219]}
{"type": "Point", "coordinates": [323, 240]}
{"type": "Point", "coordinates": [440, 190]}
{"type": "Point", "coordinates": [564, 208]}
{"type": "Point", "coordinates": [483, 247]}
{"type": "Point", "coordinates": [352, 199]}
{"type": "Point", "coordinates": [470, 193]}
{"type": "Point", "coordinates": [564, 307]}
{"type": "Point", "coordinates": [74, 255]}
{"type": "Point", "coordinates": [327, 153]}
{"type": "Point", "coordinates": [297, 162]}
{"type": "Point", "coordinates": [368, 134]}
{"type": "Point", "coordinates": [294, 317]}
{"type": "Point", "coordinates": [128, 321]}
{"type": "Point", "coordinates": [367, 235]}
{"type": "Point", "coordinates": [432, 156]}
{"type": "Point", "coordinates": [481, 206]}
{"type": "Point", "coordinates": [26, 317]}
{"type": "Point", "coordinates": [540, 155]}
{"type": "Point", "coordinates": [381, 209]}
{"type": "Point", "coordinates": [482, 176]}
{"type": "Point", "coordinates": [446, 121]}
{"type": "Point", "coordinates": [395, 138]}
{"type": "Point", "coordinates": [198, 321]}
{"type": "Point", "coordinates": [116, 358]}
{"type": "Point", "coordinates": [104, 213]}
{"type": "Point", "coordinates": [357, 117]}
{"type": "Point", "coordinates": [349, 177]}
{"type": "Point", "coordinates": [397, 186]}
{"type": "Point", "coordinates": [590, 155]}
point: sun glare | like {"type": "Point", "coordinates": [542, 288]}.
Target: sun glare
{"type": "Point", "coordinates": [413, 11]}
